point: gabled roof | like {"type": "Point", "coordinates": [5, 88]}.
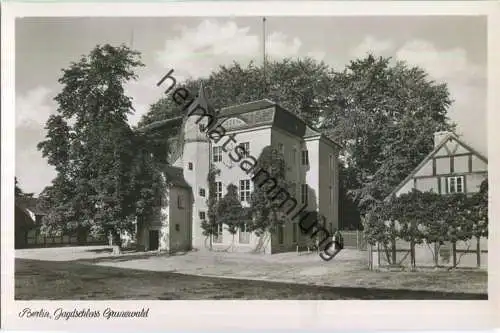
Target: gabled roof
{"type": "Point", "coordinates": [431, 154]}
{"type": "Point", "coordinates": [246, 107]}
{"type": "Point", "coordinates": [175, 176]}
{"type": "Point", "coordinates": [253, 114]}
{"type": "Point", "coordinates": [161, 124]}
{"type": "Point", "coordinates": [27, 203]}
{"type": "Point", "coordinates": [279, 116]}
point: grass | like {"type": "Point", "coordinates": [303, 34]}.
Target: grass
{"type": "Point", "coordinates": [49, 280]}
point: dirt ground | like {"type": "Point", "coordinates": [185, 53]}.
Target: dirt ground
{"type": "Point", "coordinates": [348, 269]}
{"type": "Point", "coordinates": [71, 280]}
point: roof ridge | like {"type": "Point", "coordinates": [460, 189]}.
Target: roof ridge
{"type": "Point", "coordinates": [246, 103]}
{"type": "Point", "coordinates": [430, 155]}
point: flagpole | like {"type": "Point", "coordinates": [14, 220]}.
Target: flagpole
{"type": "Point", "coordinates": [132, 38]}
{"type": "Point", "coordinates": [264, 58]}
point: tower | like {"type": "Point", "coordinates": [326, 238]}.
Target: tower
{"type": "Point", "coordinates": [196, 160]}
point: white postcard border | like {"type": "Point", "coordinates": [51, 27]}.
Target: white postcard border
{"type": "Point", "coordinates": [208, 315]}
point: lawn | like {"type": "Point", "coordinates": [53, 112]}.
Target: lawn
{"type": "Point", "coordinates": [63, 280]}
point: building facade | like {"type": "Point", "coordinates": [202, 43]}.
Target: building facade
{"type": "Point", "coordinates": [311, 166]}
{"type": "Point", "coordinates": [451, 167]}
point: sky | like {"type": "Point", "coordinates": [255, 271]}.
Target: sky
{"type": "Point", "coordinates": [452, 49]}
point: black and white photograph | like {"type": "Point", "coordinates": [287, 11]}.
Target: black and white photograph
{"type": "Point", "coordinates": [235, 156]}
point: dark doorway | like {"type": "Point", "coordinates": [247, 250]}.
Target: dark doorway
{"type": "Point", "coordinates": [154, 240]}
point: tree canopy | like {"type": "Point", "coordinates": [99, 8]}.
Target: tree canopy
{"type": "Point", "coordinates": [264, 203]}
{"type": "Point", "coordinates": [383, 112]}
{"type": "Point", "coordinates": [230, 211]}
{"type": "Point", "coordinates": [427, 217]}
{"type": "Point", "coordinates": [105, 174]}
{"type": "Point", "coordinates": [19, 193]}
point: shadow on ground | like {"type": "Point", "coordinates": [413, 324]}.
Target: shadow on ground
{"type": "Point", "coordinates": [49, 280]}
{"type": "Point", "coordinates": [125, 256]}
{"type": "Point", "coordinates": [106, 250]}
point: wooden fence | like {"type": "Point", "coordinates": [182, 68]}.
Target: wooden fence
{"type": "Point", "coordinates": [35, 239]}
{"type": "Point", "coordinates": [354, 239]}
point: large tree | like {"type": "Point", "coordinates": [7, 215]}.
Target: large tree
{"type": "Point", "coordinates": [383, 112]}
{"type": "Point", "coordinates": [210, 224]}
{"type": "Point", "coordinates": [301, 85]}
{"type": "Point", "coordinates": [104, 171]}
{"type": "Point", "coordinates": [265, 200]}
{"type": "Point", "coordinates": [230, 212]}
{"type": "Point", "coordinates": [19, 193]}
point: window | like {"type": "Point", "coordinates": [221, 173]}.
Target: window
{"type": "Point", "coordinates": [217, 237]}
{"type": "Point", "coordinates": [246, 146]}
{"type": "Point", "coordinates": [303, 193]}
{"type": "Point", "coordinates": [281, 149]}
{"type": "Point", "coordinates": [202, 216]}
{"type": "Point", "coordinates": [202, 192]}
{"type": "Point", "coordinates": [218, 190]}
{"type": "Point", "coordinates": [295, 229]}
{"type": "Point", "coordinates": [244, 236]}
{"type": "Point", "coordinates": [456, 184]}
{"type": "Point", "coordinates": [180, 201]}
{"type": "Point", "coordinates": [190, 166]}
{"type": "Point", "coordinates": [217, 154]}
{"type": "Point", "coordinates": [305, 157]}
{"type": "Point", "coordinates": [177, 227]}
{"type": "Point", "coordinates": [281, 234]}
{"type": "Point", "coordinates": [245, 190]}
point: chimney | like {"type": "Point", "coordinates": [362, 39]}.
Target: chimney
{"type": "Point", "coordinates": [439, 136]}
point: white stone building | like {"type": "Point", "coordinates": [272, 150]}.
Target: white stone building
{"type": "Point", "coordinates": [311, 161]}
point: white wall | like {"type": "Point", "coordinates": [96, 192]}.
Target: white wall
{"type": "Point", "coordinates": [198, 154]}
{"type": "Point", "coordinates": [295, 173]}
{"type": "Point", "coordinates": [231, 172]}
{"type": "Point", "coordinates": [328, 181]}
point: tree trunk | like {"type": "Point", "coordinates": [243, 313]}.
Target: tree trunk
{"type": "Point", "coordinates": [81, 236]}
{"type": "Point", "coordinates": [412, 255]}
{"type": "Point", "coordinates": [117, 241]}
{"type": "Point", "coordinates": [394, 257]}
{"type": "Point", "coordinates": [378, 255]}
{"type": "Point", "coordinates": [370, 257]}
{"type": "Point", "coordinates": [478, 252]}
{"type": "Point", "coordinates": [436, 255]}
{"type": "Point", "coordinates": [454, 252]}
